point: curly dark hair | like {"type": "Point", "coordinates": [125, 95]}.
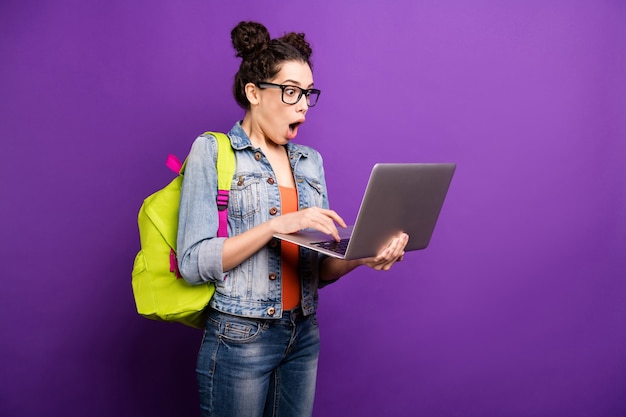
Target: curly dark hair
{"type": "Point", "coordinates": [262, 57]}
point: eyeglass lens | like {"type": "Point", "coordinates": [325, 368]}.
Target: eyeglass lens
{"type": "Point", "coordinates": [293, 94]}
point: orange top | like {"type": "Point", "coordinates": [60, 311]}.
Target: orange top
{"type": "Point", "coordinates": [290, 254]}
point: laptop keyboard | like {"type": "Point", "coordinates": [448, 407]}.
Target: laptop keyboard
{"type": "Point", "coordinates": [333, 245]}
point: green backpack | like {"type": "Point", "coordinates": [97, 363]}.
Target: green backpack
{"type": "Point", "coordinates": [160, 291]}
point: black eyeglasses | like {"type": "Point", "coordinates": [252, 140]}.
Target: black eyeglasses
{"type": "Point", "coordinates": [292, 94]}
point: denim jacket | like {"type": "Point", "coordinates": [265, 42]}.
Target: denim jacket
{"type": "Point", "coordinates": [253, 288]}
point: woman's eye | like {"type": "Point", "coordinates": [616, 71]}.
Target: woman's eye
{"type": "Point", "coordinates": [290, 91]}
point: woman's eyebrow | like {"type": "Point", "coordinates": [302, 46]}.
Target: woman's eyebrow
{"type": "Point", "coordinates": [296, 83]}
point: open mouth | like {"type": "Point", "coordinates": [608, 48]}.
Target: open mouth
{"type": "Point", "coordinates": [294, 126]}
{"type": "Point", "coordinates": [293, 130]}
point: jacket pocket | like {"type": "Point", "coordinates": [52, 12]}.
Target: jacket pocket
{"type": "Point", "coordinates": [314, 192]}
{"type": "Point", "coordinates": [244, 197]}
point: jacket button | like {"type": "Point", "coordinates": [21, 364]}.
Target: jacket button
{"type": "Point", "coordinates": [273, 211]}
{"type": "Point", "coordinates": [240, 182]}
{"type": "Point", "coordinates": [271, 311]}
{"type": "Point", "coordinates": [272, 276]}
{"type": "Point", "coordinates": [270, 181]}
{"type": "Point", "coordinates": [273, 243]}
{"type": "Point", "coordinates": [257, 156]}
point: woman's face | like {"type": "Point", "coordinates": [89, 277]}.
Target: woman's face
{"type": "Point", "coordinates": [279, 122]}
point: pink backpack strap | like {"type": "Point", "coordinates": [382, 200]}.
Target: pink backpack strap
{"type": "Point", "coordinates": [222, 213]}
{"type": "Point", "coordinates": [225, 169]}
{"type": "Point", "coordinates": [173, 163]}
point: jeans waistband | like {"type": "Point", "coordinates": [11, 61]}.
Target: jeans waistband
{"type": "Point", "coordinates": [294, 316]}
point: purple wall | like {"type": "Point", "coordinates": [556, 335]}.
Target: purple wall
{"type": "Point", "coordinates": [518, 308]}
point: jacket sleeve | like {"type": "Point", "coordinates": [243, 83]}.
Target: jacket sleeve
{"type": "Point", "coordinates": [199, 249]}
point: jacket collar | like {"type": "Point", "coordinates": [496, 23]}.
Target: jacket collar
{"type": "Point", "coordinates": [240, 140]}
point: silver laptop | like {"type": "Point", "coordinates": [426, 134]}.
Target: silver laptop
{"type": "Point", "coordinates": [398, 198]}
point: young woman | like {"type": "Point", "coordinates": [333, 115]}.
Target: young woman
{"type": "Point", "coordinates": [260, 348]}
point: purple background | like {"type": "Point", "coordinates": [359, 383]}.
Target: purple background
{"type": "Point", "coordinates": [518, 307]}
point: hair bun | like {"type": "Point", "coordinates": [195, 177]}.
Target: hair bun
{"type": "Point", "coordinates": [297, 41]}
{"type": "Point", "coordinates": [249, 38]}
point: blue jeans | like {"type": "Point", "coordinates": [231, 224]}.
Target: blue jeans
{"type": "Point", "coordinates": [256, 367]}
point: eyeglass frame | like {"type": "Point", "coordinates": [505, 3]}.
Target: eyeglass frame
{"type": "Point", "coordinates": [303, 92]}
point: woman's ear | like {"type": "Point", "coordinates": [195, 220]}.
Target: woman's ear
{"type": "Point", "coordinates": [252, 93]}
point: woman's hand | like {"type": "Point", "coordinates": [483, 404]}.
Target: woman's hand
{"type": "Point", "coordinates": [316, 218]}
{"type": "Point", "coordinates": [332, 268]}
{"type": "Point", "coordinates": [394, 252]}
